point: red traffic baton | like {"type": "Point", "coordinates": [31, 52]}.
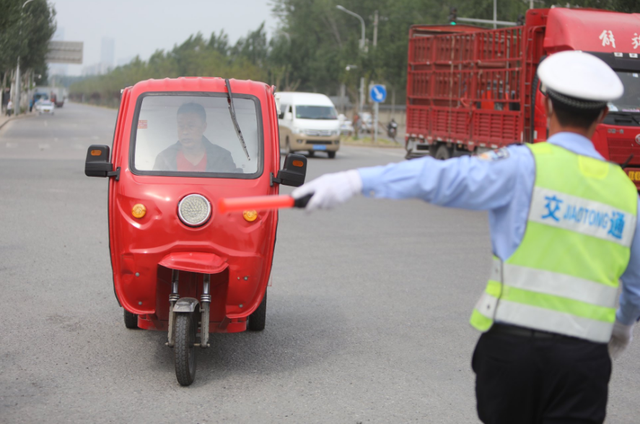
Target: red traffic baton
{"type": "Point", "coordinates": [237, 204]}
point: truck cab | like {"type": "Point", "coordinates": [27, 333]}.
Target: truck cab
{"type": "Point", "coordinates": [612, 37]}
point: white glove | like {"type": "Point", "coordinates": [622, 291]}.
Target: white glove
{"type": "Point", "coordinates": [620, 339]}
{"type": "Point", "coordinates": [330, 190]}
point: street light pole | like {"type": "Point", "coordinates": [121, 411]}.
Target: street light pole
{"type": "Point", "coordinates": [495, 14]}
{"type": "Point", "coordinates": [362, 40]}
{"type": "Point", "coordinates": [17, 99]}
{"type": "Point", "coordinates": [363, 48]}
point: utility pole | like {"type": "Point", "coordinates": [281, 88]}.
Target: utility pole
{"type": "Point", "coordinates": [361, 107]}
{"type": "Point", "coordinates": [375, 29]}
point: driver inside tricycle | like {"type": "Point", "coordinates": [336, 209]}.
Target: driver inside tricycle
{"type": "Point", "coordinates": [180, 145]}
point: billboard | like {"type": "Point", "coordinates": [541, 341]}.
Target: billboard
{"type": "Point", "coordinates": [65, 52]}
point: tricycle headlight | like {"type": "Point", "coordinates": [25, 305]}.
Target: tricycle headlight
{"type": "Point", "coordinates": [194, 210]}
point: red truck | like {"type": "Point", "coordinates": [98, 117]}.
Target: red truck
{"type": "Point", "coordinates": [471, 89]}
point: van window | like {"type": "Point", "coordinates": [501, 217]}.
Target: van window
{"type": "Point", "coordinates": [194, 134]}
{"type": "Point", "coordinates": [316, 112]}
{"type": "Point", "coordinates": [283, 110]}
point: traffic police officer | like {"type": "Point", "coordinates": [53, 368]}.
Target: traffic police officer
{"type": "Point", "coordinates": [563, 231]}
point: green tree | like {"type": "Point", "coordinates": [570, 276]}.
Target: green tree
{"type": "Point", "coordinates": [196, 56]}
{"type": "Point", "coordinates": [313, 45]}
{"type": "Point", "coordinates": [25, 33]}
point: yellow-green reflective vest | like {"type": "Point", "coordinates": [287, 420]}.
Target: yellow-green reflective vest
{"type": "Point", "coordinates": [563, 277]}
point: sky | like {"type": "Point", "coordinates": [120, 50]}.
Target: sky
{"type": "Point", "coordinates": [140, 27]}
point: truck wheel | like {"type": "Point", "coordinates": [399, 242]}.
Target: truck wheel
{"type": "Point", "coordinates": [408, 149]}
{"type": "Point", "coordinates": [331, 155]}
{"type": "Point", "coordinates": [412, 155]}
{"type": "Point", "coordinates": [258, 318]}
{"type": "Point", "coordinates": [443, 152]}
{"type": "Point", "coordinates": [184, 349]}
{"type": "Point", "coordinates": [130, 320]}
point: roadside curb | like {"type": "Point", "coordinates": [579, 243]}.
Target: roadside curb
{"type": "Point", "coordinates": [23, 116]}
{"type": "Point", "coordinates": [92, 105]}
{"type": "Point", "coordinates": [382, 146]}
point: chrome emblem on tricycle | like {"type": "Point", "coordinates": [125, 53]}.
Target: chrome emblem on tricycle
{"type": "Point", "coordinates": [194, 210]}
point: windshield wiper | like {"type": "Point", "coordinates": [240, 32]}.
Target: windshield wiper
{"type": "Point", "coordinates": [232, 112]}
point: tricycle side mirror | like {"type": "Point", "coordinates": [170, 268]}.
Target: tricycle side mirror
{"type": "Point", "coordinates": [293, 172]}
{"type": "Point", "coordinates": [97, 163]}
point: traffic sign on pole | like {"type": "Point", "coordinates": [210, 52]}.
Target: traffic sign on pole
{"type": "Point", "coordinates": [378, 93]}
{"type": "Point", "coordinates": [65, 52]}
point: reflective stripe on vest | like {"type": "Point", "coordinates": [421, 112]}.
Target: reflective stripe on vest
{"type": "Point", "coordinates": [563, 277]}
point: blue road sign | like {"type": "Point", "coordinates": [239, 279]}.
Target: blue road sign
{"type": "Point", "coordinates": [378, 93]}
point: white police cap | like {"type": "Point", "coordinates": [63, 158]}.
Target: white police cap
{"type": "Point", "coordinates": [579, 79]}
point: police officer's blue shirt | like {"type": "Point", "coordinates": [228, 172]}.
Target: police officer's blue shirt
{"type": "Point", "coordinates": [501, 183]}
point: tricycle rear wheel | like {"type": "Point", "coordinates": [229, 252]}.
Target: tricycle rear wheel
{"type": "Point", "coordinates": [184, 349]}
{"type": "Point", "coordinates": [130, 320]}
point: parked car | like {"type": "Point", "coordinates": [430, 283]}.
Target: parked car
{"type": "Point", "coordinates": [365, 122]}
{"type": "Point", "coordinates": [45, 106]}
{"type": "Point", "coordinates": [346, 125]}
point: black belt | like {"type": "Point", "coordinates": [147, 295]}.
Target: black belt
{"type": "Point", "coordinates": [514, 330]}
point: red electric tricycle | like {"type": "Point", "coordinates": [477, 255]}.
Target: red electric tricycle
{"type": "Point", "coordinates": [179, 266]}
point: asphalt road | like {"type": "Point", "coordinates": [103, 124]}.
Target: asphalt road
{"type": "Point", "coordinates": [367, 319]}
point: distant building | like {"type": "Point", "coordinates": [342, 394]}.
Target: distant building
{"type": "Point", "coordinates": [107, 53]}
{"type": "Point", "coordinates": [107, 59]}
{"type": "Point", "coordinates": [97, 69]}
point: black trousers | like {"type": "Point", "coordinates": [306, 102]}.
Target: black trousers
{"type": "Point", "coordinates": [522, 380]}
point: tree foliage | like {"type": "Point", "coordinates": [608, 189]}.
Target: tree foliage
{"type": "Point", "coordinates": [316, 46]}
{"type": "Point", "coordinates": [25, 33]}
{"type": "Point", "coordinates": [196, 56]}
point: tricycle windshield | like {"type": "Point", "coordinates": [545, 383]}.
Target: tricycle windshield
{"type": "Point", "coordinates": [189, 134]}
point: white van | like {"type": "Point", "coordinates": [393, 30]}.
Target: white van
{"type": "Point", "coordinates": [308, 121]}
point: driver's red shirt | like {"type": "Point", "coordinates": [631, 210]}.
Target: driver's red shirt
{"type": "Point", "coordinates": [185, 166]}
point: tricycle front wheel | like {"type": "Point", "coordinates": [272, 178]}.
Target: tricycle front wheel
{"type": "Point", "coordinates": [184, 349]}
{"type": "Point", "coordinates": [130, 320]}
{"type": "Point", "coordinates": [258, 318]}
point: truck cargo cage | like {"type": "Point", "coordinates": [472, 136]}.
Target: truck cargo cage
{"type": "Point", "coordinates": [465, 87]}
